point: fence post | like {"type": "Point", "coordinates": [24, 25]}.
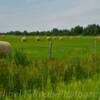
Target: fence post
{"type": "Point", "coordinates": [95, 45]}
{"type": "Point", "coordinates": [50, 50]}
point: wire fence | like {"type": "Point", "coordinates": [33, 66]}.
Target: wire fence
{"type": "Point", "coordinates": [73, 50]}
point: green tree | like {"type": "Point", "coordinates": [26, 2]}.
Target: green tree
{"type": "Point", "coordinates": [77, 30]}
{"type": "Point", "coordinates": [92, 30]}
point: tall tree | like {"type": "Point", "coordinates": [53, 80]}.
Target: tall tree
{"type": "Point", "coordinates": [92, 30]}
{"type": "Point", "coordinates": [77, 30]}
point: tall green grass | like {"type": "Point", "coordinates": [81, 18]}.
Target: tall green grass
{"type": "Point", "coordinates": [76, 90]}
{"type": "Point", "coordinates": [19, 76]}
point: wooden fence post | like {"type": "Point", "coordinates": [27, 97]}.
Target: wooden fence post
{"type": "Point", "coordinates": [50, 50]}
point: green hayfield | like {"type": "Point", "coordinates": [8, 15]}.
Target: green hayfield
{"type": "Point", "coordinates": [74, 74]}
{"type": "Point", "coordinates": [62, 49]}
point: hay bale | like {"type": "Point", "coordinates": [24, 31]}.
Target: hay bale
{"type": "Point", "coordinates": [61, 38]}
{"type": "Point", "coordinates": [54, 37]}
{"type": "Point", "coordinates": [23, 39]}
{"type": "Point", "coordinates": [77, 37]}
{"type": "Point", "coordinates": [48, 38]}
{"type": "Point", "coordinates": [71, 37]}
{"type": "Point", "coordinates": [37, 38]}
{"type": "Point", "coordinates": [97, 37]}
{"type": "Point", "coordinates": [5, 48]}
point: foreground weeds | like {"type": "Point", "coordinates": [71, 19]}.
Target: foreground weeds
{"type": "Point", "coordinates": [73, 79]}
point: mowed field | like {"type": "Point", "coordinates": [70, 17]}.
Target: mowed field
{"type": "Point", "coordinates": [61, 49]}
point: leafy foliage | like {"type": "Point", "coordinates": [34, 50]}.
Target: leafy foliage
{"type": "Point", "coordinates": [92, 29]}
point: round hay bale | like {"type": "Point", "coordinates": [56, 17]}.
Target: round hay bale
{"type": "Point", "coordinates": [48, 38]}
{"type": "Point", "coordinates": [5, 48]}
{"type": "Point", "coordinates": [54, 37]}
{"type": "Point", "coordinates": [61, 38]}
{"type": "Point", "coordinates": [98, 37]}
{"type": "Point", "coordinates": [23, 39]}
{"type": "Point", "coordinates": [38, 38]}
{"type": "Point", "coordinates": [71, 37]}
{"type": "Point", "coordinates": [77, 37]}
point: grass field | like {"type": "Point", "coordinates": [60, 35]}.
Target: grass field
{"type": "Point", "coordinates": [72, 74]}
{"type": "Point", "coordinates": [69, 46]}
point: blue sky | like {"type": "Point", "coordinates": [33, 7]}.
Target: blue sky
{"type": "Point", "coordinates": [33, 15]}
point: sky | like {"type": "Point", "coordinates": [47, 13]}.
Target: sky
{"type": "Point", "coordinates": [33, 15]}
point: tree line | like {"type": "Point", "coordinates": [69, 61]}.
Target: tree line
{"type": "Point", "coordinates": [90, 30]}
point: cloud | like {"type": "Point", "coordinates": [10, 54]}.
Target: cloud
{"type": "Point", "coordinates": [46, 14]}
